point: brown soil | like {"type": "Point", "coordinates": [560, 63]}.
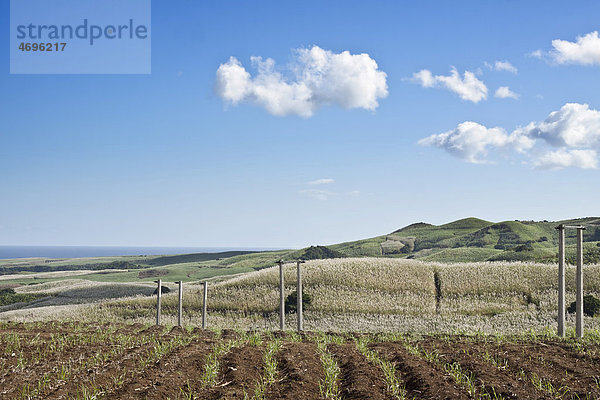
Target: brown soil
{"type": "Point", "coordinates": [359, 379]}
{"type": "Point", "coordinates": [569, 372]}
{"type": "Point", "coordinates": [241, 370]}
{"type": "Point", "coordinates": [30, 352]}
{"type": "Point", "coordinates": [422, 380]}
{"type": "Point", "coordinates": [173, 375]}
{"type": "Point", "coordinates": [488, 378]}
{"type": "Point", "coordinates": [300, 371]}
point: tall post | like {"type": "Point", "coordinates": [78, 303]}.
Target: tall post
{"type": "Point", "coordinates": [299, 295]}
{"type": "Point", "coordinates": [205, 296]}
{"type": "Point", "coordinates": [561, 280]}
{"type": "Point", "coordinates": [281, 297]}
{"type": "Point", "coordinates": [579, 300]}
{"type": "Point", "coordinates": [158, 294]}
{"type": "Point", "coordinates": [180, 314]}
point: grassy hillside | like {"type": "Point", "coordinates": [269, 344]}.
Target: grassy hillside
{"type": "Point", "coordinates": [473, 239]}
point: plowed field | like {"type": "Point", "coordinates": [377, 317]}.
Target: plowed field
{"type": "Point", "coordinates": [76, 361]}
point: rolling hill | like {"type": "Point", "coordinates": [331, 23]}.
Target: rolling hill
{"type": "Point", "coordinates": [473, 239]}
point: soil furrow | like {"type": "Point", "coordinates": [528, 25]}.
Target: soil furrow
{"type": "Point", "coordinates": [300, 372]}
{"type": "Point", "coordinates": [241, 370]}
{"type": "Point", "coordinates": [141, 383]}
{"type": "Point", "coordinates": [564, 372]}
{"type": "Point", "coordinates": [422, 379]}
{"type": "Point", "coordinates": [359, 379]}
{"type": "Point", "coordinates": [488, 378]}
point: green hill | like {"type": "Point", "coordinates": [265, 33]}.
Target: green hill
{"type": "Point", "coordinates": [473, 239]}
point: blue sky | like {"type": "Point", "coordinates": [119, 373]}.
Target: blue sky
{"type": "Point", "coordinates": [167, 159]}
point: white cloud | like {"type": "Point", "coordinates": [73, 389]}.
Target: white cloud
{"type": "Point", "coordinates": [502, 66]}
{"type": "Point", "coordinates": [322, 181]}
{"type": "Point", "coordinates": [574, 125]}
{"type": "Point", "coordinates": [569, 137]}
{"type": "Point", "coordinates": [468, 88]}
{"type": "Point", "coordinates": [469, 141]}
{"type": "Point", "coordinates": [318, 194]}
{"type": "Point", "coordinates": [567, 158]}
{"type": "Point", "coordinates": [536, 54]}
{"type": "Point", "coordinates": [504, 92]}
{"type": "Point", "coordinates": [585, 50]}
{"type": "Point", "coordinates": [319, 77]}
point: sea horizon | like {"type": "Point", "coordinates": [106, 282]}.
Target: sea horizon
{"type": "Point", "coordinates": [12, 252]}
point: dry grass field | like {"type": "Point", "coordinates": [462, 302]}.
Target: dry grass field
{"type": "Point", "coordinates": [350, 294]}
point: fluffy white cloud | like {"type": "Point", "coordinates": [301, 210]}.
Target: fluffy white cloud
{"type": "Point", "coordinates": [572, 133]}
{"type": "Point", "coordinates": [504, 92]}
{"type": "Point", "coordinates": [585, 50]}
{"type": "Point", "coordinates": [322, 181]}
{"type": "Point", "coordinates": [502, 66]}
{"type": "Point", "coordinates": [567, 158]}
{"type": "Point", "coordinates": [319, 77]}
{"type": "Point", "coordinates": [574, 125]}
{"type": "Point", "coordinates": [469, 141]}
{"type": "Point", "coordinates": [468, 87]}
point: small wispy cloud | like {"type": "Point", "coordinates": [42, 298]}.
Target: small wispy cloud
{"type": "Point", "coordinates": [536, 54]}
{"type": "Point", "coordinates": [467, 87]}
{"type": "Point", "coordinates": [504, 92]}
{"type": "Point", "coordinates": [502, 66]}
{"type": "Point", "coordinates": [323, 181]}
{"type": "Point", "coordinates": [317, 194]}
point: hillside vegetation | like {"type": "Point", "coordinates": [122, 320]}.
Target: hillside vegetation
{"type": "Point", "coordinates": [473, 239]}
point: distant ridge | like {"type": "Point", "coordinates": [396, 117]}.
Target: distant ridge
{"type": "Point", "coordinates": [475, 239]}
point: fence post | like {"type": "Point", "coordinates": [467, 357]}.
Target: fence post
{"type": "Point", "coordinates": [579, 300]}
{"type": "Point", "coordinates": [299, 295]}
{"type": "Point", "coordinates": [281, 297]}
{"type": "Point", "coordinates": [561, 280]}
{"type": "Point", "coordinates": [158, 294]}
{"type": "Point", "coordinates": [180, 314]}
{"type": "Point", "coordinates": [205, 297]}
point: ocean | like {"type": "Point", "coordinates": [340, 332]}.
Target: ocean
{"type": "Point", "coordinates": [7, 252]}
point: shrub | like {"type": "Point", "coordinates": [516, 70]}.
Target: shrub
{"type": "Point", "coordinates": [591, 306]}
{"type": "Point", "coordinates": [292, 300]}
{"type": "Point", "coordinates": [320, 253]}
{"type": "Point", "coordinates": [163, 290]}
{"type": "Point", "coordinates": [524, 247]}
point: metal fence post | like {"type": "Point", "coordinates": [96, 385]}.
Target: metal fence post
{"type": "Point", "coordinates": [158, 295]}
{"type": "Point", "coordinates": [180, 314]}
{"type": "Point", "coordinates": [561, 280]}
{"type": "Point", "coordinates": [281, 297]}
{"type": "Point", "coordinates": [579, 300]}
{"type": "Point", "coordinates": [299, 295]}
{"type": "Point", "coordinates": [205, 297]}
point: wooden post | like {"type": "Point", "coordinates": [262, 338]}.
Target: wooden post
{"type": "Point", "coordinates": [299, 295]}
{"type": "Point", "coordinates": [204, 305]}
{"type": "Point", "coordinates": [579, 300]}
{"type": "Point", "coordinates": [561, 280]}
{"type": "Point", "coordinates": [281, 297]}
{"type": "Point", "coordinates": [180, 314]}
{"type": "Point", "coordinates": [158, 294]}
